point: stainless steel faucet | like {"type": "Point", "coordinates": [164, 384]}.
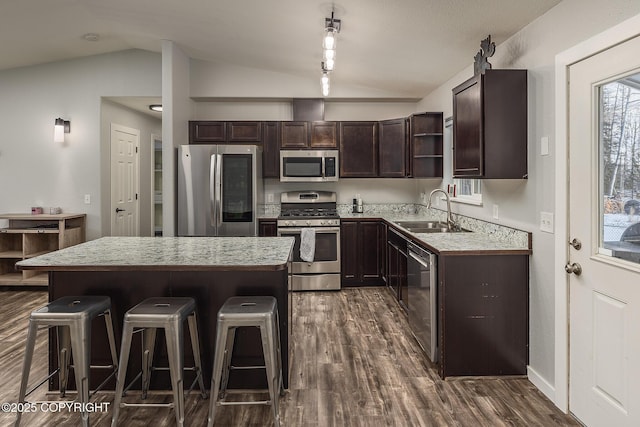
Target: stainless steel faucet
{"type": "Point", "coordinates": [451, 224]}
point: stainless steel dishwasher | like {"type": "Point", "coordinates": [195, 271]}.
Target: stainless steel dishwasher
{"type": "Point", "coordinates": [422, 296]}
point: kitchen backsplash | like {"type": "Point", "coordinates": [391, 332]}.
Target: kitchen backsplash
{"type": "Point", "coordinates": [499, 232]}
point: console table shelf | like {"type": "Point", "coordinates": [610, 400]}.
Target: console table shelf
{"type": "Point", "coordinates": [28, 236]}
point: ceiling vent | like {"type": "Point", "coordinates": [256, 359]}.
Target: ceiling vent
{"type": "Point", "coordinates": [308, 109]}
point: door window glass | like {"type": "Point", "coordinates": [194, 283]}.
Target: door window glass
{"type": "Point", "coordinates": [619, 144]}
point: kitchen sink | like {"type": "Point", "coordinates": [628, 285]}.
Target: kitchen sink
{"type": "Point", "coordinates": [427, 227]}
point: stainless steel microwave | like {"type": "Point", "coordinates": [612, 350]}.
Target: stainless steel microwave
{"type": "Point", "coordinates": [308, 165]}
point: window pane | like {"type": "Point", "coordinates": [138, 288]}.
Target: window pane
{"type": "Point", "coordinates": [619, 144]}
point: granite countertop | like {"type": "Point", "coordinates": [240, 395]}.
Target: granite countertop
{"type": "Point", "coordinates": [168, 253]}
{"type": "Point", "coordinates": [503, 241]}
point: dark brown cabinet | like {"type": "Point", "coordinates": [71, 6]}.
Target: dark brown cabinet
{"type": "Point", "coordinates": [294, 135]}
{"type": "Point", "coordinates": [483, 314]}
{"type": "Point", "coordinates": [490, 126]}
{"type": "Point", "coordinates": [271, 150]}
{"type": "Point", "coordinates": [244, 131]}
{"type": "Point", "coordinates": [207, 132]}
{"type": "Point", "coordinates": [393, 148]}
{"type": "Point", "coordinates": [426, 145]}
{"type": "Point", "coordinates": [324, 135]}
{"type": "Point", "coordinates": [267, 228]}
{"type": "Point", "coordinates": [397, 267]}
{"type": "Point", "coordinates": [358, 149]}
{"type": "Point", "coordinates": [362, 252]}
{"type": "Point", "coordinates": [309, 135]}
{"type": "Point", "coordinates": [221, 132]}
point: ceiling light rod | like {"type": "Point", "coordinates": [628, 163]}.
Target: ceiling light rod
{"type": "Point", "coordinates": [332, 23]}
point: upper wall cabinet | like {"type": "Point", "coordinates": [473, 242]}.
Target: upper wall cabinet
{"type": "Point", "coordinates": [358, 149]}
{"type": "Point", "coordinates": [309, 135]}
{"type": "Point", "coordinates": [218, 132]}
{"type": "Point", "coordinates": [393, 148]}
{"type": "Point", "coordinates": [490, 126]}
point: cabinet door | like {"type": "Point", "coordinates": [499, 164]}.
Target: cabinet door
{"type": "Point", "coordinates": [484, 314]}
{"type": "Point", "coordinates": [392, 268]}
{"type": "Point", "coordinates": [207, 132]}
{"type": "Point", "coordinates": [271, 150]}
{"type": "Point", "coordinates": [392, 148]}
{"type": "Point", "coordinates": [267, 228]}
{"type": "Point", "coordinates": [403, 288]}
{"type": "Point", "coordinates": [358, 149]}
{"type": "Point", "coordinates": [244, 131]}
{"type": "Point", "coordinates": [349, 252]}
{"type": "Point", "coordinates": [295, 135]}
{"type": "Point", "coordinates": [372, 252]}
{"type": "Point", "coordinates": [467, 129]}
{"type": "Point", "coordinates": [324, 135]}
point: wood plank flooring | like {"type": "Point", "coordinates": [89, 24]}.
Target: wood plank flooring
{"type": "Point", "coordinates": [354, 364]}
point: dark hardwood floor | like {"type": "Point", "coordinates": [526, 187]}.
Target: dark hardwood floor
{"type": "Point", "coordinates": [354, 364]}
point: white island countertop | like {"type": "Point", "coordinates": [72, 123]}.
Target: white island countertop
{"type": "Point", "coordinates": [168, 253]}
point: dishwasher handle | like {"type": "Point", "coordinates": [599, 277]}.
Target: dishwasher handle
{"type": "Point", "coordinates": [424, 262]}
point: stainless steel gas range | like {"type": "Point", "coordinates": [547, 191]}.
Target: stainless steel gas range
{"type": "Point", "coordinates": [316, 210]}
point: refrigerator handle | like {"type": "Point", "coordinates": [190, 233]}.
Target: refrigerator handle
{"type": "Point", "coordinates": [219, 191]}
{"type": "Point", "coordinates": [212, 188]}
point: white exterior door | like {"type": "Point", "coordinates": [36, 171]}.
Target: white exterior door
{"type": "Point", "coordinates": [125, 163]}
{"type": "Point", "coordinates": [604, 300]}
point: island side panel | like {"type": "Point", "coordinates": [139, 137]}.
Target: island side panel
{"type": "Point", "coordinates": [210, 289]}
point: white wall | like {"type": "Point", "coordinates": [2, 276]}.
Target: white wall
{"type": "Point", "coordinates": [520, 202]}
{"type": "Point", "coordinates": [35, 171]}
{"type": "Point", "coordinates": [147, 125]}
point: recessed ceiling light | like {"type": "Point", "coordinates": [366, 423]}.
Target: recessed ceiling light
{"type": "Point", "coordinates": [156, 107]}
{"type": "Point", "coordinates": [91, 37]}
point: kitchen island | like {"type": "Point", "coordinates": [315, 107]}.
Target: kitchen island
{"type": "Point", "coordinates": [208, 269]}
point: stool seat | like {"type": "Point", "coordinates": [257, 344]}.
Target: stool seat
{"type": "Point", "coordinates": [242, 311]}
{"type": "Point", "coordinates": [72, 308]}
{"type": "Point", "coordinates": [71, 316]}
{"type": "Point", "coordinates": [161, 310]}
{"type": "Point", "coordinates": [166, 313]}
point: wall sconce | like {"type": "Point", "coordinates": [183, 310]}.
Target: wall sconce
{"type": "Point", "coordinates": [156, 107]}
{"type": "Point", "coordinates": [61, 127]}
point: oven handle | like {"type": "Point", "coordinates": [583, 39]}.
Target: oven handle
{"type": "Point", "coordinates": [322, 230]}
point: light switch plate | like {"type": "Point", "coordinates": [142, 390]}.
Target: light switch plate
{"type": "Point", "coordinates": [546, 222]}
{"type": "Point", "coordinates": [87, 199]}
{"type": "Point", "coordinates": [269, 197]}
{"type": "Point", "coordinates": [496, 212]}
{"type": "Point", "coordinates": [544, 146]}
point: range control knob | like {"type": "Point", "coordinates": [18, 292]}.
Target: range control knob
{"type": "Point", "coordinates": [308, 222]}
{"type": "Point", "coordinates": [286, 223]}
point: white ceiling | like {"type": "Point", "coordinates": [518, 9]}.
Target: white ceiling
{"type": "Point", "coordinates": [404, 47]}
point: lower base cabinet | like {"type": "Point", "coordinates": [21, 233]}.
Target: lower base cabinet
{"type": "Point", "coordinates": [397, 267]}
{"type": "Point", "coordinates": [267, 228]}
{"type": "Point", "coordinates": [483, 315]}
{"type": "Point", "coordinates": [362, 252]}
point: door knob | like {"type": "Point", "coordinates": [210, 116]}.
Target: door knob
{"type": "Point", "coordinates": [577, 244]}
{"type": "Point", "coordinates": [119, 210]}
{"type": "Point", "coordinates": [574, 268]}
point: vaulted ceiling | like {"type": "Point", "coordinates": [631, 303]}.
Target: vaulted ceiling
{"type": "Point", "coordinates": [405, 47]}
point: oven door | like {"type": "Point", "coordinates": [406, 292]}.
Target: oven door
{"type": "Point", "coordinates": [327, 254]}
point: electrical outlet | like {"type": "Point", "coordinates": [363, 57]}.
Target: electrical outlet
{"type": "Point", "coordinates": [87, 199]}
{"type": "Point", "coordinates": [546, 222]}
{"type": "Point", "coordinates": [496, 212]}
{"type": "Point", "coordinates": [269, 197]}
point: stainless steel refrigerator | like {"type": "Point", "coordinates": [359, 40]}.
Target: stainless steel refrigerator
{"type": "Point", "coordinates": [219, 190]}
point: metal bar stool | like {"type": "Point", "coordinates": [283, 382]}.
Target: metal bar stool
{"type": "Point", "coordinates": [72, 318]}
{"type": "Point", "coordinates": [168, 313]}
{"type": "Point", "coordinates": [236, 312]}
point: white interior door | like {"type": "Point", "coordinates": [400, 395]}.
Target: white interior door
{"type": "Point", "coordinates": [125, 164]}
{"type": "Point", "coordinates": [604, 311]}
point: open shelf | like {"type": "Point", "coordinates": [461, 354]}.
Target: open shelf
{"type": "Point", "coordinates": [28, 236]}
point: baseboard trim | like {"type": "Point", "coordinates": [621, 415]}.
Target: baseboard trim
{"type": "Point", "coordinates": [542, 384]}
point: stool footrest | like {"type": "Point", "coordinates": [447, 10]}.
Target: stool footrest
{"type": "Point", "coordinates": [246, 367]}
{"type": "Point", "coordinates": [148, 405]}
{"type": "Point", "coordinates": [252, 402]}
